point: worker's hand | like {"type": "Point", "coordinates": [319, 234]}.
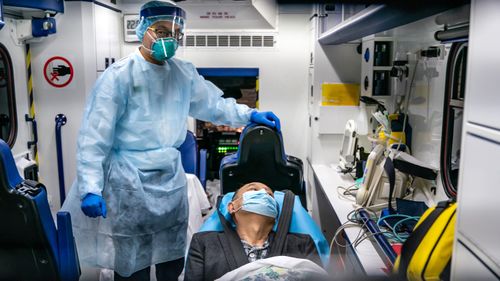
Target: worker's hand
{"type": "Point", "coordinates": [266, 118]}
{"type": "Point", "coordinates": [94, 206]}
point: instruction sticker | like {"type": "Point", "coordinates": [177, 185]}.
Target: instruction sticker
{"type": "Point", "coordinates": [58, 72]}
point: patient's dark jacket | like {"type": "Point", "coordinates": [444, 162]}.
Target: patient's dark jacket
{"type": "Point", "coordinates": [208, 260]}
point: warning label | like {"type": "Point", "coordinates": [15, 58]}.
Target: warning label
{"type": "Point", "coordinates": [58, 72]}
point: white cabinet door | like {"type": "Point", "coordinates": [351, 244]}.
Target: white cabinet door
{"type": "Point", "coordinates": [114, 33]}
{"type": "Point", "coordinates": [466, 266]}
{"type": "Point", "coordinates": [478, 195]}
{"type": "Point", "coordinates": [483, 64]}
{"type": "Point", "coordinates": [108, 28]}
{"type": "Point", "coordinates": [102, 26]}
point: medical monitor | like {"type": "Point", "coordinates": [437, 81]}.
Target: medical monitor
{"type": "Point", "coordinates": [240, 84]}
{"type": "Point", "coordinates": [347, 158]}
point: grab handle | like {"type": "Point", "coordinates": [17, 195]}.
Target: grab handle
{"type": "Point", "coordinates": [60, 121]}
{"type": "Point", "coordinates": [34, 129]}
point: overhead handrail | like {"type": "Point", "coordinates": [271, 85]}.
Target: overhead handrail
{"type": "Point", "coordinates": [60, 121]}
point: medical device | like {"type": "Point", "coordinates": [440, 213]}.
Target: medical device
{"type": "Point", "coordinates": [382, 183]}
{"type": "Point", "coordinates": [347, 158]}
{"type": "Point", "coordinates": [375, 157]}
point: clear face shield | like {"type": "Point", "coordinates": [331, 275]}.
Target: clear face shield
{"type": "Point", "coordinates": [167, 27]}
{"type": "Point", "coordinates": [164, 24]}
{"type": "Point", "coordinates": [165, 36]}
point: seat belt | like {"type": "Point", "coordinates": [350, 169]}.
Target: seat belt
{"type": "Point", "coordinates": [236, 256]}
{"type": "Point", "coordinates": [278, 242]}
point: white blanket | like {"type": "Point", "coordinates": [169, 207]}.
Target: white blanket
{"type": "Point", "coordinates": [277, 268]}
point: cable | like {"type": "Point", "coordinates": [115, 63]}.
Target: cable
{"type": "Point", "coordinates": [352, 222]}
{"type": "Point", "coordinates": [403, 220]}
{"type": "Point", "coordinates": [345, 225]}
{"type": "Point", "coordinates": [340, 260]}
{"type": "Point", "coordinates": [341, 228]}
{"type": "Point", "coordinates": [370, 235]}
{"type": "Point", "coordinates": [347, 192]}
{"type": "Point", "coordinates": [392, 216]}
{"type": "Point", "coordinates": [399, 237]}
{"type": "Point", "coordinates": [407, 105]}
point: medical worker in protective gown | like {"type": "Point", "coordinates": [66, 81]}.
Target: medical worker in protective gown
{"type": "Point", "coordinates": [129, 202]}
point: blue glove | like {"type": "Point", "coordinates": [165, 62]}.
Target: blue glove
{"type": "Point", "coordinates": [94, 206]}
{"type": "Point", "coordinates": [266, 118]}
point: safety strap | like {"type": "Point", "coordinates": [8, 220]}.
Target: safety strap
{"type": "Point", "coordinates": [236, 256]}
{"type": "Point", "coordinates": [410, 246]}
{"type": "Point", "coordinates": [391, 174]}
{"type": "Point", "coordinates": [283, 225]}
{"type": "Point", "coordinates": [414, 169]}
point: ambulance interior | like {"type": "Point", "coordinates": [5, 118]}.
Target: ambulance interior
{"type": "Point", "coordinates": [387, 108]}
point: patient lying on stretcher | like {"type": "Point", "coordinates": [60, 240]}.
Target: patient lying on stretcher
{"type": "Point", "coordinates": [254, 211]}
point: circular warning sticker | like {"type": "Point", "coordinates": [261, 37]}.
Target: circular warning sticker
{"type": "Point", "coordinates": [58, 71]}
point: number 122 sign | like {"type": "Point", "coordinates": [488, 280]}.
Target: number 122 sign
{"type": "Point", "coordinates": [130, 22]}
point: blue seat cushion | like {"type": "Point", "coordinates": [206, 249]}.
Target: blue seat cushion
{"type": "Point", "coordinates": [301, 223]}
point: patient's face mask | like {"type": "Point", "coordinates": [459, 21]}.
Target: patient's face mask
{"type": "Point", "coordinates": [259, 202]}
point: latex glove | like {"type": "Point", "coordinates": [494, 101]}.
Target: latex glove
{"type": "Point", "coordinates": [94, 206]}
{"type": "Point", "coordinates": [266, 118]}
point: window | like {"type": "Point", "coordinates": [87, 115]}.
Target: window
{"type": "Point", "coordinates": [453, 117]}
{"type": "Point", "coordinates": [8, 117]}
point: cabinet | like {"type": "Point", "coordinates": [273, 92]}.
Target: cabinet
{"type": "Point", "coordinates": [376, 56]}
{"type": "Point", "coordinates": [335, 14]}
{"type": "Point", "coordinates": [477, 248]}
{"type": "Point", "coordinates": [479, 196]}
{"type": "Point", "coordinates": [471, 268]}
{"type": "Point", "coordinates": [485, 99]}
{"type": "Point", "coordinates": [107, 24]}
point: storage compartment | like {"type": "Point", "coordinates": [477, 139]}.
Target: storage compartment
{"type": "Point", "coordinates": [382, 54]}
{"type": "Point", "coordinates": [376, 63]}
{"type": "Point", "coordinates": [482, 89]}
{"type": "Point", "coordinates": [381, 83]}
{"type": "Point", "coordinates": [466, 266]}
{"type": "Point", "coordinates": [478, 195]}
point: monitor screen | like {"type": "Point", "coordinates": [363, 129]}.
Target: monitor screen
{"type": "Point", "coordinates": [345, 143]}
{"type": "Point", "coordinates": [348, 149]}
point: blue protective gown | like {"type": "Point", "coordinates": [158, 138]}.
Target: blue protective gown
{"type": "Point", "coordinates": [127, 152]}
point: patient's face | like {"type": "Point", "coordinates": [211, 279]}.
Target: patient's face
{"type": "Point", "coordinates": [236, 204]}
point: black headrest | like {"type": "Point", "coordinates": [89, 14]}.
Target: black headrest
{"type": "Point", "coordinates": [261, 158]}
